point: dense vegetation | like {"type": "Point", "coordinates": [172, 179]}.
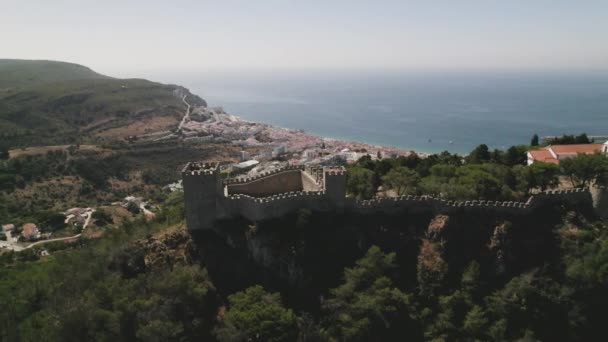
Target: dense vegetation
{"type": "Point", "coordinates": [483, 174]}
{"type": "Point", "coordinates": [58, 180]}
{"type": "Point", "coordinates": [569, 140]}
{"type": "Point", "coordinates": [107, 292]}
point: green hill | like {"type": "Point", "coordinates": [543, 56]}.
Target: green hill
{"type": "Point", "coordinates": [57, 103]}
{"type": "Point", "coordinates": [21, 73]}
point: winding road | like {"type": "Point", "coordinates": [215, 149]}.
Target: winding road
{"type": "Point", "coordinates": [86, 223]}
{"type": "Point", "coordinates": [181, 123]}
{"type": "Point", "coordinates": [186, 115]}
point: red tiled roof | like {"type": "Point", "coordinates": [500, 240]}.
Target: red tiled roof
{"type": "Point", "coordinates": [543, 155]}
{"type": "Point", "coordinates": [29, 230]}
{"type": "Point", "coordinates": [575, 149]}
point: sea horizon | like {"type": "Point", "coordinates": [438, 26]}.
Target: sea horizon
{"type": "Point", "coordinates": [421, 111]}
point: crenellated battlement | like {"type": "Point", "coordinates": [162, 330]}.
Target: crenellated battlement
{"type": "Point", "coordinates": [430, 200]}
{"type": "Point", "coordinates": [243, 180]}
{"type": "Point", "coordinates": [335, 171]}
{"type": "Point", "coordinates": [198, 169]}
{"type": "Point", "coordinates": [276, 193]}
{"type": "Point", "coordinates": [290, 194]}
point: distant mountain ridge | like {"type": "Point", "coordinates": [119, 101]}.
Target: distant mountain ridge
{"type": "Point", "coordinates": [22, 73]}
{"type": "Point", "coordinates": [47, 102]}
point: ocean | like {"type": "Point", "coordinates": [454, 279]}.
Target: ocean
{"type": "Point", "coordinates": [426, 112]}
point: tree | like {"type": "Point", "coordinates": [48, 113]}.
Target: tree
{"type": "Point", "coordinates": [367, 305]}
{"type": "Point", "coordinates": [256, 315]}
{"type": "Point", "coordinates": [479, 155]}
{"type": "Point", "coordinates": [534, 141]}
{"type": "Point", "coordinates": [486, 180]}
{"type": "Point", "coordinates": [475, 321]}
{"type": "Point", "coordinates": [515, 155]}
{"type": "Point", "coordinates": [470, 278]}
{"type": "Point", "coordinates": [540, 175]}
{"type": "Point", "coordinates": [360, 182]}
{"type": "Point", "coordinates": [570, 139]}
{"type": "Point", "coordinates": [50, 220]}
{"type": "Point", "coordinates": [4, 154]}
{"type": "Point", "coordinates": [402, 180]}
{"type": "Point", "coordinates": [133, 208]}
{"type": "Point", "coordinates": [102, 217]}
{"type": "Point", "coordinates": [585, 169]}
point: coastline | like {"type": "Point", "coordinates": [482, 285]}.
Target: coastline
{"type": "Point", "coordinates": [215, 124]}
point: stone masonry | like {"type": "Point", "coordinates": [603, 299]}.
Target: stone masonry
{"type": "Point", "coordinates": [208, 197]}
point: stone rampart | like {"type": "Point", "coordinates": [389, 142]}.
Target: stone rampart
{"type": "Point", "coordinates": [255, 209]}
{"type": "Point", "coordinates": [283, 191]}
{"type": "Point", "coordinates": [599, 195]}
{"type": "Point", "coordinates": [285, 181]}
{"type": "Point", "coordinates": [419, 203]}
{"type": "Point", "coordinates": [262, 175]}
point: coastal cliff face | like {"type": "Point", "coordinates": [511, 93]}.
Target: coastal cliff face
{"type": "Point", "coordinates": [303, 254]}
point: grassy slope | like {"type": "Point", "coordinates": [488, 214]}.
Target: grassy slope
{"type": "Point", "coordinates": [53, 102]}
{"type": "Point", "coordinates": [15, 73]}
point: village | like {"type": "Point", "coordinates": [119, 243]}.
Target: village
{"type": "Point", "coordinates": [266, 147]}
{"type": "Point", "coordinates": [74, 221]}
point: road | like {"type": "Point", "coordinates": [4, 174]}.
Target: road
{"type": "Point", "coordinates": [186, 115]}
{"type": "Point", "coordinates": [147, 213]}
{"type": "Point", "coordinates": [84, 226]}
{"type": "Point", "coordinates": [10, 244]}
{"type": "Point", "coordinates": [181, 123]}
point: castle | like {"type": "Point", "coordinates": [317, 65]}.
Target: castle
{"type": "Point", "coordinates": [209, 198]}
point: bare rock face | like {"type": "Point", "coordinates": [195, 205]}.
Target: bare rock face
{"type": "Point", "coordinates": [599, 195]}
{"type": "Point", "coordinates": [164, 251]}
{"type": "Point", "coordinates": [173, 248]}
{"type": "Point", "coordinates": [437, 227]}
{"type": "Point", "coordinates": [431, 267]}
{"type": "Point", "coordinates": [499, 246]}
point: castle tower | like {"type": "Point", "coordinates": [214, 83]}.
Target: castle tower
{"type": "Point", "coordinates": [202, 188]}
{"type": "Point", "coordinates": [599, 194]}
{"type": "Point", "coordinates": [335, 186]}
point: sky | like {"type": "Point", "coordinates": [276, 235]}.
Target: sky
{"type": "Point", "coordinates": [115, 36]}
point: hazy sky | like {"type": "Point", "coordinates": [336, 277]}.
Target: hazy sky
{"type": "Point", "coordinates": [111, 36]}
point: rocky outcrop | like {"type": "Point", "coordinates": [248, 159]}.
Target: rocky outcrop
{"type": "Point", "coordinates": [599, 194]}
{"type": "Point", "coordinates": [499, 247]}
{"type": "Point", "coordinates": [437, 227]}
{"type": "Point", "coordinates": [154, 253]}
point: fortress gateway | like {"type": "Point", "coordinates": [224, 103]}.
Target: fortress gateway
{"type": "Point", "coordinates": [208, 197]}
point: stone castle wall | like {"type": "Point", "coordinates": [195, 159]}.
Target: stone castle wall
{"type": "Point", "coordinates": [207, 201]}
{"type": "Point", "coordinates": [420, 203]}
{"type": "Point", "coordinates": [256, 209]}
{"type": "Point", "coordinates": [286, 181]}
{"type": "Point", "coordinates": [599, 195]}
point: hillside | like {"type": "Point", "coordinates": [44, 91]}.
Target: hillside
{"type": "Point", "coordinates": [15, 73]}
{"type": "Point", "coordinates": [53, 103]}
